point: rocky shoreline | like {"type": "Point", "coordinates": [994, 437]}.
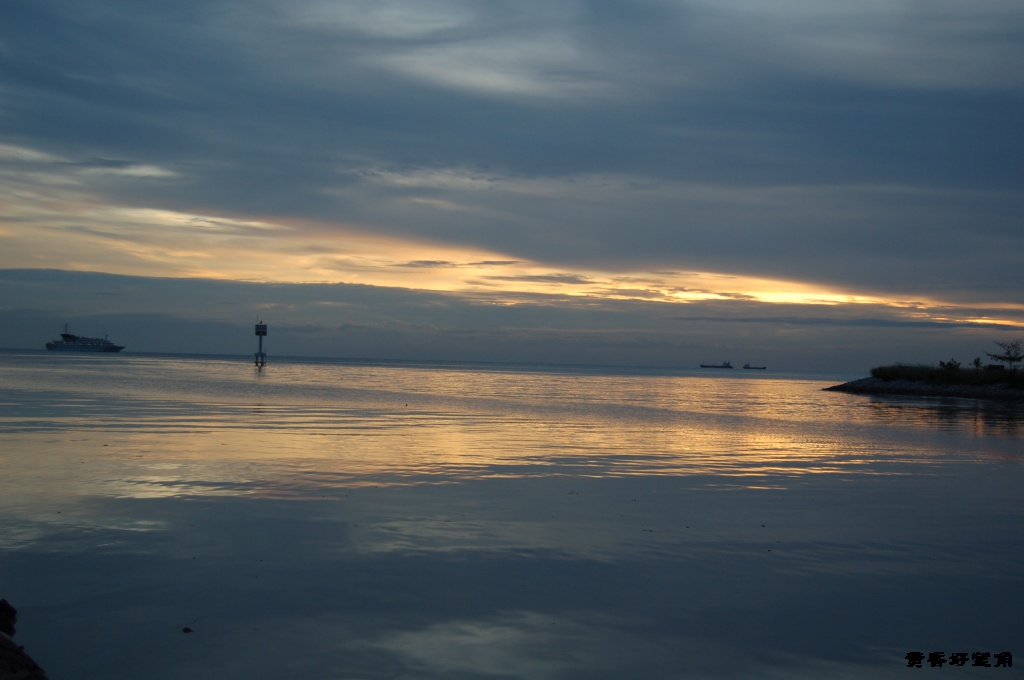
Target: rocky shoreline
{"type": "Point", "coordinates": [913, 388]}
{"type": "Point", "coordinates": [15, 664]}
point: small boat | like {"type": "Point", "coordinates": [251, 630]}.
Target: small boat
{"type": "Point", "coordinates": [724, 364]}
{"type": "Point", "coordinates": [69, 342]}
{"type": "Point", "coordinates": [755, 368]}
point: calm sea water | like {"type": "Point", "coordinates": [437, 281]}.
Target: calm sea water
{"type": "Point", "coordinates": [329, 519]}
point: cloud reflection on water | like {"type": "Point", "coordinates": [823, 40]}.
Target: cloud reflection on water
{"type": "Point", "coordinates": [380, 425]}
{"type": "Point", "coordinates": [385, 522]}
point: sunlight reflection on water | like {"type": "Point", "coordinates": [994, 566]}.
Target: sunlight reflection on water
{"type": "Point", "coordinates": [212, 427]}
{"type": "Point", "coordinates": [400, 521]}
{"type": "Point", "coordinates": [376, 419]}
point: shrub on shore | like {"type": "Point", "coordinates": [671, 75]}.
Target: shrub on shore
{"type": "Point", "coordinates": [950, 373]}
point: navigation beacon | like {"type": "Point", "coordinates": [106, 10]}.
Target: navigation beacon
{"type": "Point", "coordinates": [261, 332]}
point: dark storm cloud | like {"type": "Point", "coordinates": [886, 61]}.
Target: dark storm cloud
{"type": "Point", "coordinates": [875, 147]}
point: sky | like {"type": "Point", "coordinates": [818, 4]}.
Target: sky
{"type": "Point", "coordinates": [810, 185]}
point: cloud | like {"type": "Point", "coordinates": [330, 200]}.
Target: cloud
{"type": "Point", "coordinates": [348, 320]}
{"type": "Point", "coordinates": [571, 279]}
{"type": "Point", "coordinates": [662, 151]}
{"type": "Point", "coordinates": [859, 323]}
{"type": "Point", "coordinates": [943, 44]}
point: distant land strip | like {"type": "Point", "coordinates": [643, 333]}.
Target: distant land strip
{"type": "Point", "coordinates": [915, 388]}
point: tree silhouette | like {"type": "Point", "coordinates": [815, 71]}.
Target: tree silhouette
{"type": "Point", "coordinates": [1012, 353]}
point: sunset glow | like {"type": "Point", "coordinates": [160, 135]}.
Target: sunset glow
{"type": "Point", "coordinates": [600, 182]}
{"type": "Point", "coordinates": [86, 236]}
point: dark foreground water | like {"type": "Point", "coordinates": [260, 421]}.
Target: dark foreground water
{"type": "Point", "coordinates": [347, 520]}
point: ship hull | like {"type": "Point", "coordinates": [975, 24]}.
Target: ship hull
{"type": "Point", "coordinates": [61, 347]}
{"type": "Point", "coordinates": [69, 342]}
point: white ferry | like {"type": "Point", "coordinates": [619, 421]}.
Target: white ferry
{"type": "Point", "coordinates": [79, 343]}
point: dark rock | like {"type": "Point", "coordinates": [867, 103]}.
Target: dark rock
{"type": "Point", "coordinates": [14, 662]}
{"type": "Point", "coordinates": [8, 617]}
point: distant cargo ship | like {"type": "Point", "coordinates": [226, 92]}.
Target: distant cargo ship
{"type": "Point", "coordinates": [79, 343]}
{"type": "Point", "coordinates": [724, 364]}
{"type": "Point", "coordinates": [756, 368]}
